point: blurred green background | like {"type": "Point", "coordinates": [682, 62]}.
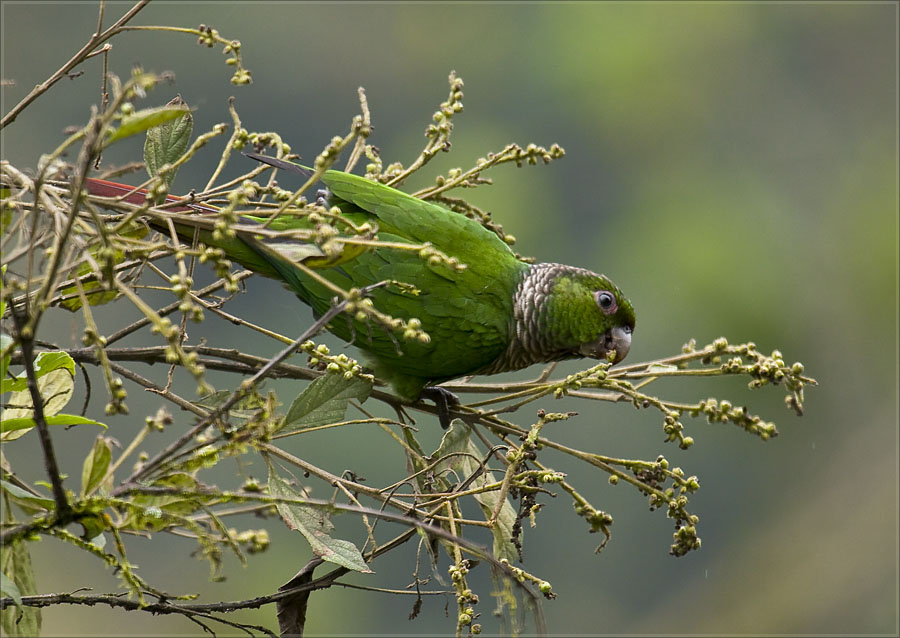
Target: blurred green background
{"type": "Point", "coordinates": [732, 166]}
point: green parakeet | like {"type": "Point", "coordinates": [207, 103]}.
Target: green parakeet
{"type": "Point", "coordinates": [496, 315]}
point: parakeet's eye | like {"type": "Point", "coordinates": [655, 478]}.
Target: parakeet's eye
{"type": "Point", "coordinates": [607, 301]}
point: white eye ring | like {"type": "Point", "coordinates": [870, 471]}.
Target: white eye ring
{"type": "Point", "coordinates": [606, 301]}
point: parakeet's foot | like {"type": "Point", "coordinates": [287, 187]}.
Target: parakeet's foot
{"type": "Point", "coordinates": [322, 197]}
{"type": "Point", "coordinates": [443, 400]}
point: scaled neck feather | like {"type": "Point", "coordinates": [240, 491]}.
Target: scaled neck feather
{"type": "Point", "coordinates": [530, 340]}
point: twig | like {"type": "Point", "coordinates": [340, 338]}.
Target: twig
{"type": "Point", "coordinates": [161, 607]}
{"type": "Point", "coordinates": [78, 58]}
{"type": "Point", "coordinates": [236, 395]}
{"type": "Point", "coordinates": [172, 307]}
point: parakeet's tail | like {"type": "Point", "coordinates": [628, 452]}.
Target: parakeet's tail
{"type": "Point", "coordinates": [281, 164]}
{"type": "Point", "coordinates": [138, 196]}
{"type": "Point", "coordinates": [200, 225]}
{"type": "Point", "coordinates": [277, 257]}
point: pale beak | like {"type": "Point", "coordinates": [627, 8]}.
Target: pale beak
{"type": "Point", "coordinates": [616, 340]}
{"type": "Point", "coordinates": [621, 341]}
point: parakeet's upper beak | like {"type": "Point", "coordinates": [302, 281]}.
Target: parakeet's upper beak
{"type": "Point", "coordinates": [617, 339]}
{"type": "Point", "coordinates": [621, 341]}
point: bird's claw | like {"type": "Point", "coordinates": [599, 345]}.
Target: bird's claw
{"type": "Point", "coordinates": [443, 401]}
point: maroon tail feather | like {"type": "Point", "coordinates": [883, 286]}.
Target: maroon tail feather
{"type": "Point", "coordinates": [105, 188]}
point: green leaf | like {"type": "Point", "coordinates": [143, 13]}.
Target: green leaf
{"type": "Point", "coordinates": [15, 564]}
{"type": "Point", "coordinates": [176, 504]}
{"type": "Point", "coordinates": [3, 272]}
{"type": "Point", "coordinates": [313, 523]}
{"type": "Point", "coordinates": [47, 362]}
{"type": "Point", "coordinates": [26, 423]}
{"type": "Point", "coordinates": [140, 121]}
{"type": "Point", "coordinates": [97, 292]}
{"type": "Point", "coordinates": [325, 401]}
{"type": "Point", "coordinates": [13, 385]}
{"type": "Point", "coordinates": [6, 342]}
{"type": "Point", "coordinates": [246, 407]}
{"type": "Point", "coordinates": [213, 399]}
{"type": "Point", "coordinates": [94, 526]}
{"type": "Point", "coordinates": [8, 588]}
{"type": "Point", "coordinates": [166, 143]}
{"type": "Point", "coordinates": [457, 441]}
{"type": "Point", "coordinates": [55, 372]}
{"type": "Point", "coordinates": [7, 209]}
{"type": "Point", "coordinates": [95, 465]}
{"type": "Point", "coordinates": [44, 364]}
{"type": "Point", "coordinates": [26, 499]}
{"type": "Point", "coordinates": [94, 291]}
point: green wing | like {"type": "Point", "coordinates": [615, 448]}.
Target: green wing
{"type": "Point", "coordinates": [466, 313]}
{"type": "Point", "coordinates": [421, 221]}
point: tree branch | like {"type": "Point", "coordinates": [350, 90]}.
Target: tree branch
{"type": "Point", "coordinates": [85, 52]}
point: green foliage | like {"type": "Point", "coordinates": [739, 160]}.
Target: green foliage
{"type": "Point", "coordinates": [136, 122]}
{"type": "Point", "coordinates": [463, 458]}
{"type": "Point", "coordinates": [325, 401]}
{"type": "Point", "coordinates": [28, 501]}
{"type": "Point", "coordinates": [96, 466]}
{"type": "Point", "coordinates": [313, 523]}
{"type": "Point", "coordinates": [18, 581]}
{"type": "Point", "coordinates": [55, 374]}
{"type": "Point", "coordinates": [166, 142]}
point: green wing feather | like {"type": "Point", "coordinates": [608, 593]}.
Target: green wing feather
{"type": "Point", "coordinates": [466, 313]}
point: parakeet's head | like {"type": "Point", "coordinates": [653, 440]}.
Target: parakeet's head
{"type": "Point", "coordinates": [616, 312]}
{"type": "Point", "coordinates": [586, 314]}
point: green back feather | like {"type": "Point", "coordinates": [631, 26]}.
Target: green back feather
{"type": "Point", "coordinates": [466, 313]}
